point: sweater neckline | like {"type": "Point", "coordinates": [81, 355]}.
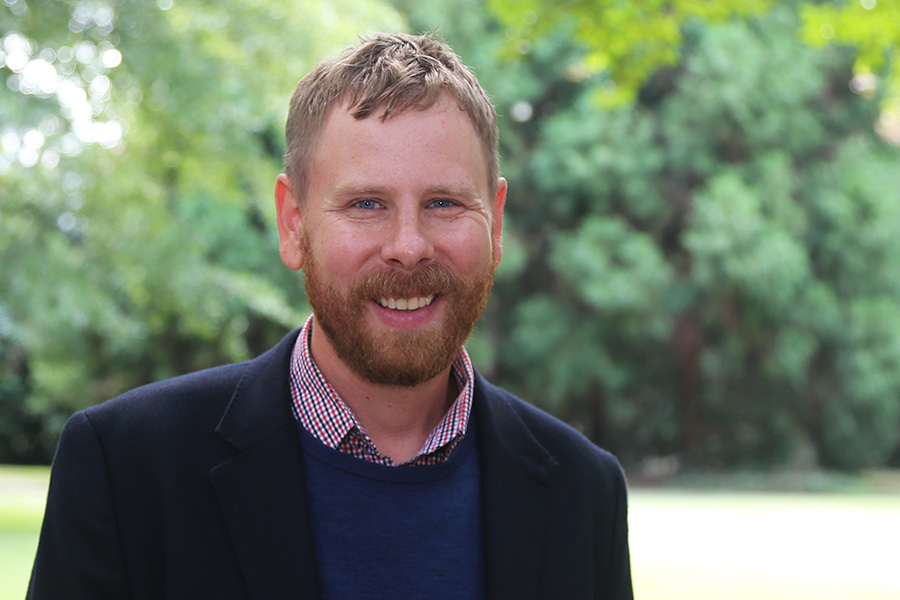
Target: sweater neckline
{"type": "Point", "coordinates": [317, 450]}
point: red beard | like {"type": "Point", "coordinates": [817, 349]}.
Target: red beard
{"type": "Point", "coordinates": [400, 357]}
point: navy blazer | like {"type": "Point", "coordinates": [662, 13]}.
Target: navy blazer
{"type": "Point", "coordinates": [193, 488]}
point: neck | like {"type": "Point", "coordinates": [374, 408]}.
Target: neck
{"type": "Point", "coordinates": [398, 419]}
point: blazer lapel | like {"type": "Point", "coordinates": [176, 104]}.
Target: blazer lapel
{"type": "Point", "coordinates": [516, 474]}
{"type": "Point", "coordinates": [261, 491]}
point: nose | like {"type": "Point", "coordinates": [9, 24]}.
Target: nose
{"type": "Point", "coordinates": [408, 244]}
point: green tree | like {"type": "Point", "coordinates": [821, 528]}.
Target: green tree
{"type": "Point", "coordinates": [625, 42]}
{"type": "Point", "coordinates": [140, 141]}
{"type": "Point", "coordinates": [872, 27]}
{"type": "Point", "coordinates": [703, 272]}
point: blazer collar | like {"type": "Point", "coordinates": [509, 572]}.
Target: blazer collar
{"type": "Point", "coordinates": [517, 473]}
{"type": "Point", "coordinates": [261, 490]}
{"type": "Point", "coordinates": [260, 405]}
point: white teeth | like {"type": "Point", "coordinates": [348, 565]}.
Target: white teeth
{"type": "Point", "coordinates": [406, 304]}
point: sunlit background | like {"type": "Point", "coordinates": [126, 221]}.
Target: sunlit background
{"type": "Point", "coordinates": [701, 262]}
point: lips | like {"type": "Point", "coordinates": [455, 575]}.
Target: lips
{"type": "Point", "coordinates": [406, 292]}
{"type": "Point", "coordinates": [406, 304]}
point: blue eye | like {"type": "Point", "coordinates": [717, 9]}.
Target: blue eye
{"type": "Point", "coordinates": [367, 204]}
{"type": "Point", "coordinates": [442, 204]}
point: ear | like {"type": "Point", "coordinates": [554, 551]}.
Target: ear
{"type": "Point", "coordinates": [497, 220]}
{"type": "Point", "coordinates": [290, 230]}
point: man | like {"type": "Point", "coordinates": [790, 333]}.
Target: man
{"type": "Point", "coordinates": [363, 456]}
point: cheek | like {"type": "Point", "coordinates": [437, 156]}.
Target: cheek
{"type": "Point", "coordinates": [468, 249]}
{"type": "Point", "coordinates": [342, 252]}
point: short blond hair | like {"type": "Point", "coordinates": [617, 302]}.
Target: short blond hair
{"type": "Point", "coordinates": [393, 73]}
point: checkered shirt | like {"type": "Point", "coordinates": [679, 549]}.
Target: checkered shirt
{"type": "Point", "coordinates": [319, 408]}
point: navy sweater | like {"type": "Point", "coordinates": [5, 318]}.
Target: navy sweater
{"type": "Point", "coordinates": [395, 532]}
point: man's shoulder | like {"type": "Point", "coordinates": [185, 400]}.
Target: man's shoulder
{"type": "Point", "coordinates": [157, 411]}
{"type": "Point", "coordinates": [570, 448]}
{"type": "Point", "coordinates": [195, 400]}
{"type": "Point", "coordinates": [178, 391]}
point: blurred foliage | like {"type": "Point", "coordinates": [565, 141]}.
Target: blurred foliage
{"type": "Point", "coordinates": [625, 41]}
{"type": "Point", "coordinates": [701, 273]}
{"type": "Point", "coordinates": [873, 28]}
{"type": "Point", "coordinates": [140, 142]}
{"type": "Point", "coordinates": [709, 269]}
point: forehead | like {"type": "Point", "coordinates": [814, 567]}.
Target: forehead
{"type": "Point", "coordinates": [438, 143]}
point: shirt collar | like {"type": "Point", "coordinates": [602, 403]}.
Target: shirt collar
{"type": "Point", "coordinates": [322, 412]}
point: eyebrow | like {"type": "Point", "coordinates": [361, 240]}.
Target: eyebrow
{"type": "Point", "coordinates": [351, 190]}
{"type": "Point", "coordinates": [439, 190]}
{"type": "Point", "coordinates": [459, 191]}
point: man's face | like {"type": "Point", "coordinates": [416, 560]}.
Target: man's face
{"type": "Point", "coordinates": [398, 240]}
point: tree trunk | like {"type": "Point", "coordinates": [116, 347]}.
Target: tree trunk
{"type": "Point", "coordinates": [687, 343]}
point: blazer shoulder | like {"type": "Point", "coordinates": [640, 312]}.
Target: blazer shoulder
{"type": "Point", "coordinates": [168, 398]}
{"type": "Point", "coordinates": [194, 398]}
{"type": "Point", "coordinates": [568, 446]}
{"type": "Point", "coordinates": [176, 414]}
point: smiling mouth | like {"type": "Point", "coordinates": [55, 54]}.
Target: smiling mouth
{"type": "Point", "coordinates": [406, 304]}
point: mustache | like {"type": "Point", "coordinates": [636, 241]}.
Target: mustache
{"type": "Point", "coordinates": [430, 280]}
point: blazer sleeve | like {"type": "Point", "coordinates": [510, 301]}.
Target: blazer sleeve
{"type": "Point", "coordinates": [79, 553]}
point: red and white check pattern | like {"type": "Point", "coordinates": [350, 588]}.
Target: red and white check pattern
{"type": "Point", "coordinates": [322, 412]}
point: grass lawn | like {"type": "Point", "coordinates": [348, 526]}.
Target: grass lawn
{"type": "Point", "coordinates": [23, 491]}
{"type": "Point", "coordinates": [697, 545]}
{"type": "Point", "coordinates": [741, 546]}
